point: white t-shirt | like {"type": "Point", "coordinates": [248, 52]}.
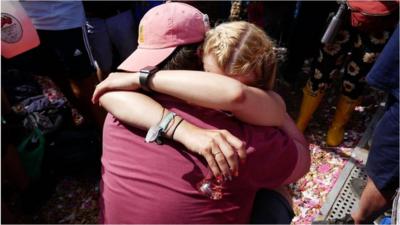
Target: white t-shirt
{"type": "Point", "coordinates": [55, 15]}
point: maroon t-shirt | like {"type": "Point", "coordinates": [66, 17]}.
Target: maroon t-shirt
{"type": "Point", "coordinates": [150, 183]}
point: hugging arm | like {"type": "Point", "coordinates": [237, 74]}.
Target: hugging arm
{"type": "Point", "coordinates": [210, 90]}
{"type": "Point", "coordinates": [140, 111]}
{"type": "Point", "coordinates": [249, 104]}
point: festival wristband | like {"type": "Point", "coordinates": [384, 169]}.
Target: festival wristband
{"type": "Point", "coordinates": [155, 132]}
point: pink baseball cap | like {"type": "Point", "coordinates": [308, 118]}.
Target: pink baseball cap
{"type": "Point", "coordinates": [161, 30]}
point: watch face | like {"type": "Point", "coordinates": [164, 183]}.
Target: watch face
{"type": "Point", "coordinates": [152, 134]}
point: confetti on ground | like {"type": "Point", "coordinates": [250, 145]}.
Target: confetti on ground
{"type": "Point", "coordinates": [310, 192]}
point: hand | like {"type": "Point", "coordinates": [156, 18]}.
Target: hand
{"type": "Point", "coordinates": [116, 81]}
{"type": "Point", "coordinates": [222, 151]}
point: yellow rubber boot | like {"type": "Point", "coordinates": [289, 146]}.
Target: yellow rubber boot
{"type": "Point", "coordinates": [309, 104]}
{"type": "Point", "coordinates": [343, 112]}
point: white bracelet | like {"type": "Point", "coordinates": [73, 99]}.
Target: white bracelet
{"type": "Point", "coordinates": [155, 132]}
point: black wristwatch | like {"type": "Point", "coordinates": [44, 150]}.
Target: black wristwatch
{"type": "Point", "coordinates": [144, 75]}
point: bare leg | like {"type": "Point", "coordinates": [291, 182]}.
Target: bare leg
{"type": "Point", "coordinates": [372, 204]}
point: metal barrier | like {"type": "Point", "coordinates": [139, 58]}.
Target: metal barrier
{"type": "Point", "coordinates": [341, 200]}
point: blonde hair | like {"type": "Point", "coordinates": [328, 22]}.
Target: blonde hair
{"type": "Point", "coordinates": [241, 48]}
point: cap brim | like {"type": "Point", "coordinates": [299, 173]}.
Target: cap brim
{"type": "Point", "coordinates": [143, 57]}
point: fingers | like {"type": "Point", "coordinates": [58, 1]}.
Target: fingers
{"type": "Point", "coordinates": [103, 87]}
{"type": "Point", "coordinates": [116, 81]}
{"type": "Point", "coordinates": [221, 150]}
{"type": "Point", "coordinates": [223, 154]}
{"type": "Point", "coordinates": [229, 157]}
{"type": "Point", "coordinates": [98, 91]}
{"type": "Point", "coordinates": [219, 156]}
{"type": "Point", "coordinates": [211, 162]}
{"type": "Point", "coordinates": [238, 145]}
{"type": "Point", "coordinates": [216, 161]}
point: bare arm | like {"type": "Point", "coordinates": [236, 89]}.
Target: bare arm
{"type": "Point", "coordinates": [140, 111]}
{"type": "Point", "coordinates": [209, 90]}
{"type": "Point", "coordinates": [216, 91]}
{"type": "Point", "coordinates": [249, 104]}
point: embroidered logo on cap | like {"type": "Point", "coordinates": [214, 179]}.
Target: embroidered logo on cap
{"type": "Point", "coordinates": [141, 36]}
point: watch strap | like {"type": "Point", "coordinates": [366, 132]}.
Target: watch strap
{"type": "Point", "coordinates": [144, 76]}
{"type": "Point", "coordinates": [144, 79]}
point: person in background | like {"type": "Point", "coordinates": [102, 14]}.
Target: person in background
{"type": "Point", "coordinates": [238, 10]}
{"type": "Point", "coordinates": [141, 7]}
{"type": "Point", "coordinates": [301, 39]}
{"type": "Point", "coordinates": [64, 52]}
{"type": "Point", "coordinates": [383, 180]}
{"type": "Point", "coordinates": [383, 160]}
{"type": "Point", "coordinates": [12, 170]}
{"type": "Point", "coordinates": [275, 17]}
{"type": "Point", "coordinates": [187, 208]}
{"type": "Point", "coordinates": [111, 29]}
{"type": "Point", "coordinates": [355, 48]}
